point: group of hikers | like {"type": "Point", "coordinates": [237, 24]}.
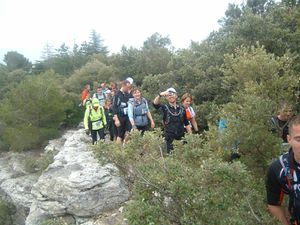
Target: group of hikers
{"type": "Point", "coordinates": [121, 110]}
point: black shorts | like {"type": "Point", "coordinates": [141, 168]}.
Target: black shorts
{"type": "Point", "coordinates": [142, 129]}
{"type": "Point", "coordinates": [125, 125]}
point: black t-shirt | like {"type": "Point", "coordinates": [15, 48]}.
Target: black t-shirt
{"type": "Point", "coordinates": [174, 118]}
{"type": "Point", "coordinates": [120, 103]}
{"type": "Point", "coordinates": [281, 128]}
{"type": "Point", "coordinates": [276, 183]}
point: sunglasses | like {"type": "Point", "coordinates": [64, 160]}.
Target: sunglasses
{"type": "Point", "coordinates": [171, 94]}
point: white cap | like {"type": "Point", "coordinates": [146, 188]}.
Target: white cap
{"type": "Point", "coordinates": [171, 90]}
{"type": "Point", "coordinates": [130, 80]}
{"type": "Point", "coordinates": [108, 91]}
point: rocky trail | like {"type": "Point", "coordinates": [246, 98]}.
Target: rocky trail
{"type": "Point", "coordinates": [75, 186]}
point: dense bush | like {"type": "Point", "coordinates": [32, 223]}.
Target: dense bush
{"type": "Point", "coordinates": [259, 82]}
{"type": "Point", "coordinates": [32, 111]}
{"type": "Point", "coordinates": [190, 186]}
{"type": "Point", "coordinates": [5, 214]}
{"type": "Point", "coordinates": [94, 72]}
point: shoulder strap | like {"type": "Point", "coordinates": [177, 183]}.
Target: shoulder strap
{"type": "Point", "coordinates": [275, 121]}
{"type": "Point", "coordinates": [145, 102]}
{"type": "Point", "coordinates": [102, 111]}
{"type": "Point", "coordinates": [174, 114]}
{"type": "Point", "coordinates": [90, 112]}
{"type": "Point", "coordinates": [288, 169]}
{"type": "Point", "coordinates": [278, 128]}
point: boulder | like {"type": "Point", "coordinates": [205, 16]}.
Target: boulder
{"type": "Point", "coordinates": [16, 184]}
{"type": "Point", "coordinates": [75, 183]}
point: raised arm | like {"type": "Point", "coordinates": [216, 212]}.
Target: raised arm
{"type": "Point", "coordinates": [156, 101]}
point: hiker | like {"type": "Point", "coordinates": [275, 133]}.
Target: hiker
{"type": "Point", "coordinates": [87, 101]}
{"type": "Point", "coordinates": [95, 120]}
{"type": "Point", "coordinates": [283, 177]}
{"type": "Point", "coordinates": [109, 94]}
{"type": "Point", "coordinates": [100, 95]}
{"type": "Point", "coordinates": [186, 100]}
{"type": "Point", "coordinates": [120, 110]}
{"type": "Point", "coordinates": [113, 87]}
{"type": "Point", "coordinates": [84, 92]}
{"type": "Point", "coordinates": [104, 88]}
{"type": "Point", "coordinates": [234, 150]}
{"type": "Point", "coordinates": [139, 113]}
{"type": "Point", "coordinates": [281, 120]}
{"type": "Point", "coordinates": [174, 117]}
{"type": "Point", "coordinates": [109, 118]}
{"type": "Point", "coordinates": [130, 86]}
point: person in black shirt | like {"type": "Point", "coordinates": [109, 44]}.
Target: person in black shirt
{"type": "Point", "coordinates": [109, 118]}
{"type": "Point", "coordinates": [284, 178]}
{"type": "Point", "coordinates": [280, 122]}
{"type": "Point", "coordinates": [120, 110]}
{"type": "Point", "coordinates": [174, 117]}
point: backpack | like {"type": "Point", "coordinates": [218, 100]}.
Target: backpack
{"type": "Point", "coordinates": [288, 166]}
{"type": "Point", "coordinates": [140, 113]}
{"type": "Point", "coordinates": [101, 98]}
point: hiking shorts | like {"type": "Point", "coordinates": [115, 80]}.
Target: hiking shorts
{"type": "Point", "coordinates": [125, 125]}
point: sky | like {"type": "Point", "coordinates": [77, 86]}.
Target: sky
{"type": "Point", "coordinates": [28, 25]}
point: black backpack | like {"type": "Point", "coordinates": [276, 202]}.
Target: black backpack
{"type": "Point", "coordinates": [287, 163]}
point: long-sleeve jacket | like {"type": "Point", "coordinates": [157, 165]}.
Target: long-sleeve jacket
{"type": "Point", "coordinates": [97, 118]}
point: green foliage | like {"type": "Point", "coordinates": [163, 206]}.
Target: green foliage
{"type": "Point", "coordinates": [58, 221]}
{"type": "Point", "coordinates": [8, 80]}
{"type": "Point", "coordinates": [190, 186]}
{"type": "Point", "coordinates": [153, 58]}
{"type": "Point", "coordinates": [261, 74]}
{"type": "Point", "coordinates": [33, 111]}
{"type": "Point", "coordinates": [5, 214]}
{"type": "Point", "coordinates": [95, 45]}
{"type": "Point", "coordinates": [33, 165]}
{"type": "Point", "coordinates": [15, 60]}
{"type": "Point", "coordinates": [93, 71]}
{"type": "Point", "coordinates": [259, 82]}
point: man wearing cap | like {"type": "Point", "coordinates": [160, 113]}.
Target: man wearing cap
{"type": "Point", "coordinates": [95, 120]}
{"type": "Point", "coordinates": [130, 86]}
{"type": "Point", "coordinates": [174, 117]}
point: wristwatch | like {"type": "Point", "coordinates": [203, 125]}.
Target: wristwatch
{"type": "Point", "coordinates": [159, 95]}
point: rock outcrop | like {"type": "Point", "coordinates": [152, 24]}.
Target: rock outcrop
{"type": "Point", "coordinates": [16, 184]}
{"type": "Point", "coordinates": [74, 185]}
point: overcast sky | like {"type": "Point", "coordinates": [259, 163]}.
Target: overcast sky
{"type": "Point", "coordinates": [27, 25]}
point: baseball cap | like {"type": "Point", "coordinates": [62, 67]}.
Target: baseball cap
{"type": "Point", "coordinates": [130, 80]}
{"type": "Point", "coordinates": [172, 90]}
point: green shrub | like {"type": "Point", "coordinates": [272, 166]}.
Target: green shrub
{"type": "Point", "coordinates": [57, 221]}
{"type": "Point", "coordinates": [5, 214]}
{"type": "Point", "coordinates": [259, 82]}
{"type": "Point", "coordinates": [33, 165]}
{"type": "Point", "coordinates": [190, 186]}
{"type": "Point", "coordinates": [33, 111]}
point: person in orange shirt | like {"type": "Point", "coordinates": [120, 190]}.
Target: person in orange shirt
{"type": "Point", "coordinates": [85, 92]}
{"type": "Point", "coordinates": [186, 101]}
